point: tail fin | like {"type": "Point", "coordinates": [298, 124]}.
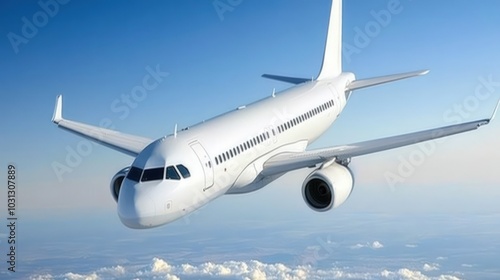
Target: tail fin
{"type": "Point", "coordinates": [332, 58]}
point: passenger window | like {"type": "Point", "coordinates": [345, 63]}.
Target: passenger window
{"type": "Point", "coordinates": [172, 173]}
{"type": "Point", "coordinates": [134, 174]}
{"type": "Point", "coordinates": [153, 174]}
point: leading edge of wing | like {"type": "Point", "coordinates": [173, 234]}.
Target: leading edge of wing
{"type": "Point", "coordinates": [128, 144]}
{"type": "Point", "coordinates": [291, 161]}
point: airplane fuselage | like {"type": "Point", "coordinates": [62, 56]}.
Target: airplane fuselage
{"type": "Point", "coordinates": [225, 154]}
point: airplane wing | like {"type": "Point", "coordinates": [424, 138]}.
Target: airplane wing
{"type": "Point", "coordinates": [291, 161]}
{"type": "Point", "coordinates": [129, 144]}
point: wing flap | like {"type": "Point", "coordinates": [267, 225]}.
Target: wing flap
{"type": "Point", "coordinates": [129, 144]}
{"type": "Point", "coordinates": [292, 161]}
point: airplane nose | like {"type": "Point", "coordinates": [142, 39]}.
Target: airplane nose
{"type": "Point", "coordinates": [136, 208]}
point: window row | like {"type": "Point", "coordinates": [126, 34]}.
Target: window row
{"type": "Point", "coordinates": [170, 173]}
{"type": "Point", "coordinates": [291, 123]}
{"type": "Point", "coordinates": [243, 147]}
{"type": "Point", "coordinates": [264, 136]}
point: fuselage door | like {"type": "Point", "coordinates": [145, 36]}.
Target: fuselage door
{"type": "Point", "coordinates": [337, 98]}
{"type": "Point", "coordinates": [202, 155]}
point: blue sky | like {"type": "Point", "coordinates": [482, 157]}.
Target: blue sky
{"type": "Point", "coordinates": [95, 52]}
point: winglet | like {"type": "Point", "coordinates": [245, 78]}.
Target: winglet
{"type": "Point", "coordinates": [495, 111]}
{"type": "Point", "coordinates": [57, 117]}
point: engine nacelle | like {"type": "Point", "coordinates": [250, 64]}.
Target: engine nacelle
{"type": "Point", "coordinates": [328, 187]}
{"type": "Point", "coordinates": [116, 182]}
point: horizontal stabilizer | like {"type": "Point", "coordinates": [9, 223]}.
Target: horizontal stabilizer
{"type": "Point", "coordinates": [291, 80]}
{"type": "Point", "coordinates": [359, 84]}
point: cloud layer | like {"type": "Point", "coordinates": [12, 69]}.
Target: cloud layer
{"type": "Point", "coordinates": [249, 270]}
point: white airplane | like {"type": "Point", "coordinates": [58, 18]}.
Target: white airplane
{"type": "Point", "coordinates": [245, 149]}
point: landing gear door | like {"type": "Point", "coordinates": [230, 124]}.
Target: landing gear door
{"type": "Point", "coordinates": [202, 155]}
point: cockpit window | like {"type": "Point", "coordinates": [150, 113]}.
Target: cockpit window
{"type": "Point", "coordinates": [172, 173]}
{"type": "Point", "coordinates": [134, 174]}
{"type": "Point", "coordinates": [153, 174]}
{"type": "Point", "coordinates": [184, 171]}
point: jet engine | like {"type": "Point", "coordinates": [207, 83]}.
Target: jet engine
{"type": "Point", "coordinates": [328, 187]}
{"type": "Point", "coordinates": [116, 182]}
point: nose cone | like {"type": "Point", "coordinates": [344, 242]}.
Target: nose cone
{"type": "Point", "coordinates": [136, 207]}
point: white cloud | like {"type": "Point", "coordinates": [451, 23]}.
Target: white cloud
{"type": "Point", "coordinates": [408, 274]}
{"type": "Point", "coordinates": [42, 277]}
{"type": "Point", "coordinates": [411, 246]}
{"type": "Point", "coordinates": [245, 270]}
{"type": "Point", "coordinates": [160, 266]}
{"type": "Point", "coordinates": [447, 277]}
{"type": "Point", "coordinates": [431, 267]}
{"type": "Point", "coordinates": [116, 271]}
{"type": "Point", "coordinates": [375, 245]}
{"type": "Point", "coordinates": [74, 276]}
{"type": "Point", "coordinates": [358, 246]}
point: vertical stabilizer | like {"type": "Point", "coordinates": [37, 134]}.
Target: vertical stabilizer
{"type": "Point", "coordinates": [332, 58]}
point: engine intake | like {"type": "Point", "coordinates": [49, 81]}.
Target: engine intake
{"type": "Point", "coordinates": [328, 187]}
{"type": "Point", "coordinates": [116, 182]}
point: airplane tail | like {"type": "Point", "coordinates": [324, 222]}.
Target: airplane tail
{"type": "Point", "coordinates": [332, 57]}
